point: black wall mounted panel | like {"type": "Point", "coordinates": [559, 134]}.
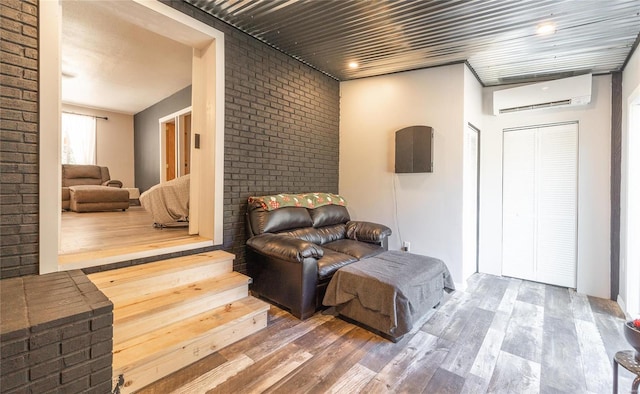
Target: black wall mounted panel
{"type": "Point", "coordinates": [414, 149]}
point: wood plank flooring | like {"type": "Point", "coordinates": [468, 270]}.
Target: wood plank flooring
{"type": "Point", "coordinates": [101, 238]}
{"type": "Point", "coordinates": [92, 231]}
{"type": "Point", "coordinates": [500, 335]}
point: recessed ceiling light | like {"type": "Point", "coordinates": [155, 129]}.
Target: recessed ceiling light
{"type": "Point", "coordinates": [353, 65]}
{"type": "Point", "coordinates": [546, 28]}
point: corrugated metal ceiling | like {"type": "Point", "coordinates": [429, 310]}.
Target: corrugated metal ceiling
{"type": "Point", "coordinates": [497, 38]}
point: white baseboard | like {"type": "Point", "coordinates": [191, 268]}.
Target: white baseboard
{"type": "Point", "coordinates": [623, 306]}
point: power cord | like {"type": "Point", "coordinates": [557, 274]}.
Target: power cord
{"type": "Point", "coordinates": [395, 203]}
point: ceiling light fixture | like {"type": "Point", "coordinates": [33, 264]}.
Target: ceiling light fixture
{"type": "Point", "coordinates": [353, 65]}
{"type": "Point", "coordinates": [546, 28]}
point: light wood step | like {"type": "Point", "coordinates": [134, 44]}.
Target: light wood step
{"type": "Point", "coordinates": [147, 279]}
{"type": "Point", "coordinates": [171, 313]}
{"type": "Point", "coordinates": [109, 278]}
{"type": "Point", "coordinates": [146, 358]}
{"type": "Point", "coordinates": [141, 314]}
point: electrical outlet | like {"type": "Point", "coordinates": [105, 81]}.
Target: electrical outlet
{"type": "Point", "coordinates": [406, 246]}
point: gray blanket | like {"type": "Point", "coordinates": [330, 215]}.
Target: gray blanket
{"type": "Point", "coordinates": [390, 291]}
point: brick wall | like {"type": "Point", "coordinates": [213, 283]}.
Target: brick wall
{"type": "Point", "coordinates": [281, 127]}
{"type": "Point", "coordinates": [55, 334]}
{"type": "Point", "coordinates": [18, 138]}
{"type": "Point", "coordinates": [281, 135]}
{"type": "Point", "coordinates": [281, 131]}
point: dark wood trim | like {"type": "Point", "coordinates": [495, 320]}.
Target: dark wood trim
{"type": "Point", "coordinates": [616, 157]}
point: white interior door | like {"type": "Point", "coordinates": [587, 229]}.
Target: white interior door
{"type": "Point", "coordinates": [557, 185]}
{"type": "Point", "coordinates": [540, 204]}
{"type": "Point", "coordinates": [518, 205]}
{"type": "Point", "coordinates": [630, 257]}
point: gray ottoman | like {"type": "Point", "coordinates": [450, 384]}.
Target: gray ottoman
{"type": "Point", "coordinates": [89, 198]}
{"type": "Point", "coordinates": [390, 291]}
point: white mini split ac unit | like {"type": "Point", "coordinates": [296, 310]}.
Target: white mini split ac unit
{"type": "Point", "coordinates": [558, 93]}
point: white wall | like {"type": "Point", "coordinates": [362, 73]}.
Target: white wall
{"type": "Point", "coordinates": [473, 115]}
{"type": "Point", "coordinates": [594, 169]}
{"type": "Point", "coordinates": [630, 91]}
{"type": "Point", "coordinates": [114, 142]}
{"type": "Point", "coordinates": [429, 205]}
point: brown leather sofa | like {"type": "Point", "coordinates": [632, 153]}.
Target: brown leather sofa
{"type": "Point", "coordinates": [292, 252]}
{"type": "Point", "coordinates": [87, 175]}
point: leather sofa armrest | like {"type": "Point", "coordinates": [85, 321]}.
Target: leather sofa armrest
{"type": "Point", "coordinates": [284, 247]}
{"type": "Point", "coordinates": [367, 232]}
{"type": "Point", "coordinates": [112, 183]}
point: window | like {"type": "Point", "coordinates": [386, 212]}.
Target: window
{"type": "Point", "coordinates": [78, 139]}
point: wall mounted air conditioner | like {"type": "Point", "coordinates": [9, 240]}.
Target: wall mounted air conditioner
{"type": "Point", "coordinates": [558, 93]}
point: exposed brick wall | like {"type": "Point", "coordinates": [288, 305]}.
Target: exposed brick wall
{"type": "Point", "coordinates": [56, 335]}
{"type": "Point", "coordinates": [18, 138]}
{"type": "Point", "coordinates": [281, 131]}
{"type": "Point", "coordinates": [281, 127]}
{"type": "Point", "coordinates": [281, 135]}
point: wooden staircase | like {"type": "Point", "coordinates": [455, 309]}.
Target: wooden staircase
{"type": "Point", "coordinates": [171, 313]}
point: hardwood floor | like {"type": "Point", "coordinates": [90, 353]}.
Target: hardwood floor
{"type": "Point", "coordinates": [500, 335]}
{"type": "Point", "coordinates": [91, 231]}
{"type": "Point", "coordinates": [101, 238]}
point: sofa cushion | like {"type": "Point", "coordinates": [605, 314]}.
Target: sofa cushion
{"type": "Point", "coordinates": [279, 220]}
{"type": "Point", "coordinates": [319, 236]}
{"type": "Point", "coordinates": [328, 215]}
{"type": "Point", "coordinates": [331, 262]}
{"type": "Point", "coordinates": [78, 174]}
{"type": "Point", "coordinates": [357, 249]}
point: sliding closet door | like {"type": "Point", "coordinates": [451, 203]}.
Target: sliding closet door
{"type": "Point", "coordinates": [540, 204]}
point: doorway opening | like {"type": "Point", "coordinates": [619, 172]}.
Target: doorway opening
{"type": "Point", "coordinates": [175, 145]}
{"type": "Point", "coordinates": [207, 114]}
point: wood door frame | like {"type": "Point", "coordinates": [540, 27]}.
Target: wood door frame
{"type": "Point", "coordinates": [155, 16]}
{"type": "Point", "coordinates": [184, 147]}
{"type": "Point", "coordinates": [170, 130]}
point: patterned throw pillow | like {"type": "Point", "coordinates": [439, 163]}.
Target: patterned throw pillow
{"type": "Point", "coordinates": [307, 200]}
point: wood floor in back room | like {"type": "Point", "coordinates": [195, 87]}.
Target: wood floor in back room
{"type": "Point", "coordinates": [96, 231]}
{"type": "Point", "coordinates": [500, 335]}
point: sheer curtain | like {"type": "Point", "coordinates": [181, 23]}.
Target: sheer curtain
{"type": "Point", "coordinates": [78, 139]}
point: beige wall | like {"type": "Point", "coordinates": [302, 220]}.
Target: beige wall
{"type": "Point", "coordinates": [428, 205]}
{"type": "Point", "coordinates": [594, 170]}
{"type": "Point", "coordinates": [114, 142]}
